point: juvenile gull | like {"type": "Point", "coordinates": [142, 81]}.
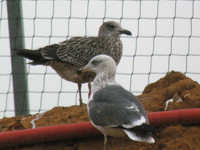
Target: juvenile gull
{"type": "Point", "coordinates": [112, 109]}
{"type": "Point", "coordinates": [70, 55]}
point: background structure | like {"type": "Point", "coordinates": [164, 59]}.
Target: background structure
{"type": "Point", "coordinates": [166, 36]}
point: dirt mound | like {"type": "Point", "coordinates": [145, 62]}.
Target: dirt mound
{"type": "Point", "coordinates": [175, 87]}
{"type": "Point", "coordinates": [182, 91]}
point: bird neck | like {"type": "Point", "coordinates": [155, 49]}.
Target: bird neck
{"type": "Point", "coordinates": [102, 80]}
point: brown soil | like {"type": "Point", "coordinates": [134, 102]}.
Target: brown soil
{"type": "Point", "coordinates": [174, 85]}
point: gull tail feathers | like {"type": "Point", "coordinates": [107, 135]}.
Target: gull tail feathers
{"type": "Point", "coordinates": [141, 133]}
{"type": "Point", "coordinates": [33, 55]}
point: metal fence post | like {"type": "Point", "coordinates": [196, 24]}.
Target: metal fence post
{"type": "Point", "coordinates": [14, 8]}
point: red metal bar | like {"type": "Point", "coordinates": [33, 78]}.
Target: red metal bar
{"type": "Point", "coordinates": [82, 130]}
{"type": "Point", "coordinates": [186, 116]}
{"type": "Point", "coordinates": [46, 134]}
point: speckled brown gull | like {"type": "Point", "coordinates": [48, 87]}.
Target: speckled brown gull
{"type": "Point", "coordinates": [112, 109]}
{"type": "Point", "coordinates": [70, 55]}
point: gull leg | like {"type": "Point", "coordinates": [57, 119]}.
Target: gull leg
{"type": "Point", "coordinates": [123, 144]}
{"type": "Point", "coordinates": [89, 88]}
{"type": "Point", "coordinates": [105, 142]}
{"type": "Point", "coordinates": [79, 92]}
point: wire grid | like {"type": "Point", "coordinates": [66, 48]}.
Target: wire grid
{"type": "Point", "coordinates": [166, 36]}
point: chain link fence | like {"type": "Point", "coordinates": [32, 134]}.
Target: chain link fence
{"type": "Point", "coordinates": [166, 36]}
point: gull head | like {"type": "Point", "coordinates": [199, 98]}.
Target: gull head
{"type": "Point", "coordinates": [112, 28]}
{"type": "Point", "coordinates": [100, 64]}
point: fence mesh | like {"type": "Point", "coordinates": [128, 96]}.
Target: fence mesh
{"type": "Point", "coordinates": [166, 36]}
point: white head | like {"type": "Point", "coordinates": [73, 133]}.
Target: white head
{"type": "Point", "coordinates": [105, 68]}
{"type": "Point", "coordinates": [101, 64]}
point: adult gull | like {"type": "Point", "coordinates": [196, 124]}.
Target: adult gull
{"type": "Point", "coordinates": [112, 109]}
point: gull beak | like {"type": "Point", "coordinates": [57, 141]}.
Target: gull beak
{"type": "Point", "coordinates": [124, 31]}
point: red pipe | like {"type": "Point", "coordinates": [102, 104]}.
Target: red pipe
{"type": "Point", "coordinates": [46, 134]}
{"type": "Point", "coordinates": [184, 116]}
{"type": "Point", "coordinates": [82, 130]}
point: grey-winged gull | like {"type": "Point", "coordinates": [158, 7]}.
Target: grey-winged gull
{"type": "Point", "coordinates": [112, 109]}
{"type": "Point", "coordinates": [70, 55]}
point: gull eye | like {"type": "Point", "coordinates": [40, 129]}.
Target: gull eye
{"type": "Point", "coordinates": [110, 26]}
{"type": "Point", "coordinates": [95, 62]}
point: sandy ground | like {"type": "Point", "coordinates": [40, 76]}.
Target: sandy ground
{"type": "Point", "coordinates": [175, 86]}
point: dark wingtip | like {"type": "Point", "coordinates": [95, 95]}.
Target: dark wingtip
{"type": "Point", "coordinates": [145, 128]}
{"type": "Point", "coordinates": [35, 63]}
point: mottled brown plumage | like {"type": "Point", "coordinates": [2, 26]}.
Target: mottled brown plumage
{"type": "Point", "coordinates": [70, 55]}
